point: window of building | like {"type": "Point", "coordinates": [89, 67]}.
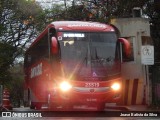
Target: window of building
{"type": "Point", "coordinates": [147, 40]}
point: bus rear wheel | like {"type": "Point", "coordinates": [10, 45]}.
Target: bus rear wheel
{"type": "Point", "coordinates": [31, 105]}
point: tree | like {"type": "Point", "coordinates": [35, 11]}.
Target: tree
{"type": "Point", "coordinates": [6, 58]}
{"type": "Point", "coordinates": [104, 10]}
{"type": "Point", "coordinates": [20, 18]}
{"type": "Point", "coordinates": [17, 84]}
{"type": "Point", "coordinates": [55, 13]}
{"type": "Point", "coordinates": [19, 24]}
{"type": "Point", "coordinates": [153, 12]}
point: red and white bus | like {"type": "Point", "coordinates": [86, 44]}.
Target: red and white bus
{"type": "Point", "coordinates": [74, 65]}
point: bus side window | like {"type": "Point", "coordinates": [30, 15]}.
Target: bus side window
{"type": "Point", "coordinates": [40, 50]}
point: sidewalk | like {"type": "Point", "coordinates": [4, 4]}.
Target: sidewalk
{"type": "Point", "coordinates": [131, 108]}
{"type": "Point", "coordinates": [142, 108]}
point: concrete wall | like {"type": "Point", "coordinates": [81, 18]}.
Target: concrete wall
{"type": "Point", "coordinates": [133, 72]}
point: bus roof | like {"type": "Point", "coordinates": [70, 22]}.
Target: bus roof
{"type": "Point", "coordinates": [75, 26]}
{"type": "Point", "coordinates": [81, 25]}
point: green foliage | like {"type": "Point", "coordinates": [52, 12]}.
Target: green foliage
{"type": "Point", "coordinates": [31, 13]}
{"type": "Point", "coordinates": [20, 22]}
{"type": "Point", "coordinates": [55, 13]}
{"type": "Point", "coordinates": [76, 13]}
{"type": "Point", "coordinates": [154, 16]}
{"type": "Point", "coordinates": [17, 84]}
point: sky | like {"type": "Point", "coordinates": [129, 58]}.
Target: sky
{"type": "Point", "coordinates": [48, 3]}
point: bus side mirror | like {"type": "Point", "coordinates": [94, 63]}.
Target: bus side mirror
{"type": "Point", "coordinates": [126, 46]}
{"type": "Point", "coordinates": [54, 45]}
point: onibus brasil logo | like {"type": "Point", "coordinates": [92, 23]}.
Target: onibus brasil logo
{"type": "Point", "coordinates": [21, 114]}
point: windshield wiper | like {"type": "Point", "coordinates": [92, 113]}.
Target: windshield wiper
{"type": "Point", "coordinates": [101, 60]}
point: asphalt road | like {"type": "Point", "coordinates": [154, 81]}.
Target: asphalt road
{"type": "Point", "coordinates": [28, 114]}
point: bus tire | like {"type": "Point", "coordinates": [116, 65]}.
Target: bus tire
{"type": "Point", "coordinates": [38, 106]}
{"type": "Point", "coordinates": [31, 105]}
{"type": "Point", "coordinates": [30, 101]}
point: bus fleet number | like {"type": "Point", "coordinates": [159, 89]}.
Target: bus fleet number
{"type": "Point", "coordinates": [91, 84]}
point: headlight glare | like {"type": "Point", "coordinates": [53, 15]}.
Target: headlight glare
{"type": "Point", "coordinates": [115, 86]}
{"type": "Point", "coordinates": [65, 86]}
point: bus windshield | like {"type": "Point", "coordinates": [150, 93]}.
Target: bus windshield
{"type": "Point", "coordinates": [89, 54]}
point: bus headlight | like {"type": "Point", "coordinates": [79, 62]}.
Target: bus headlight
{"type": "Point", "coordinates": [65, 86]}
{"type": "Point", "coordinates": [115, 86]}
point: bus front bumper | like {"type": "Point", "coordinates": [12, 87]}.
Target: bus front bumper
{"type": "Point", "coordinates": [92, 99]}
